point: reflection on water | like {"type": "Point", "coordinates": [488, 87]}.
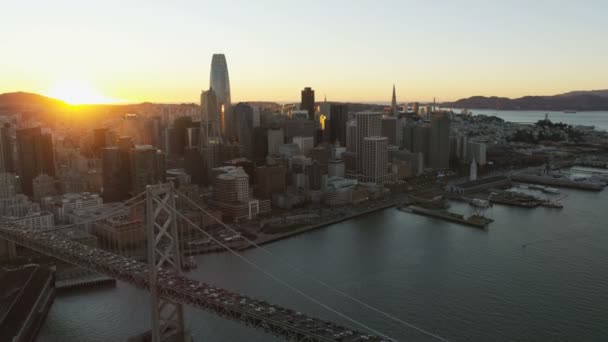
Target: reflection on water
{"type": "Point", "coordinates": [462, 283]}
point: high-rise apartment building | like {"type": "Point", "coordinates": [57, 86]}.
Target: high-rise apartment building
{"type": "Point", "coordinates": [308, 102]}
{"type": "Point", "coordinates": [35, 156]}
{"type": "Point", "coordinates": [439, 143]}
{"type": "Point", "coordinates": [220, 83]}
{"type": "Point", "coordinates": [338, 116]}
{"type": "Point", "coordinates": [374, 159]}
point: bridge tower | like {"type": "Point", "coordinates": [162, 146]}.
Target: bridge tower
{"type": "Point", "coordinates": [163, 251]}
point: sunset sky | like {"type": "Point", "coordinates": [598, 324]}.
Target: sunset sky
{"type": "Point", "coordinates": [130, 51]}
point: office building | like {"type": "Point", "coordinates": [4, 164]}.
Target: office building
{"type": "Point", "coordinates": [42, 186]}
{"type": "Point", "coordinates": [61, 206]}
{"type": "Point", "coordinates": [374, 159]}
{"type": "Point", "coordinates": [305, 144]}
{"type": "Point", "coordinates": [338, 116]}
{"type": "Point", "coordinates": [336, 168]}
{"type": "Point", "coordinates": [439, 142]}
{"type": "Point", "coordinates": [477, 152]}
{"type": "Point", "coordinates": [35, 156]}
{"type": "Point", "coordinates": [351, 136]}
{"type": "Point", "coordinates": [8, 185]}
{"type": "Point", "coordinates": [260, 145]}
{"type": "Point", "coordinates": [232, 195]}
{"type": "Point", "coordinates": [298, 128]}
{"type": "Point", "coordinates": [244, 117]}
{"type": "Point", "coordinates": [7, 163]}
{"type": "Point", "coordinates": [270, 180]}
{"type": "Point", "coordinates": [308, 102]}
{"type": "Point", "coordinates": [115, 185]}
{"type": "Point", "coordinates": [369, 124]}
{"type": "Point", "coordinates": [102, 138]}
{"type": "Point", "coordinates": [275, 139]}
{"type": "Point", "coordinates": [289, 150]}
{"type": "Point", "coordinates": [220, 83]}
{"type": "Point", "coordinates": [147, 167]}
{"type": "Point", "coordinates": [389, 129]}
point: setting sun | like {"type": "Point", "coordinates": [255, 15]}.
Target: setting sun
{"type": "Point", "coordinates": [77, 92]}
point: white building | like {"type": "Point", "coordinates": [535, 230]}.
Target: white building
{"type": "Point", "coordinates": [374, 159]}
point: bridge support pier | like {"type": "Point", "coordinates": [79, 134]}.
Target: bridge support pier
{"type": "Point", "coordinates": [163, 251]}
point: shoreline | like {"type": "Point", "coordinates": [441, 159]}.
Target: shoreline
{"type": "Point", "coordinates": [267, 239]}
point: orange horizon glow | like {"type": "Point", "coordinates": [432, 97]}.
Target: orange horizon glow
{"type": "Point", "coordinates": [78, 92]}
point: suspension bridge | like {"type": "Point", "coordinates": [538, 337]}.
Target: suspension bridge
{"type": "Point", "coordinates": [161, 274]}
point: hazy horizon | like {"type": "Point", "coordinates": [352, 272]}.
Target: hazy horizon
{"type": "Point", "coordinates": [160, 52]}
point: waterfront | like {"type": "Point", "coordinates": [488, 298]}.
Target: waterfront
{"type": "Point", "coordinates": [597, 119]}
{"type": "Point", "coordinates": [460, 282]}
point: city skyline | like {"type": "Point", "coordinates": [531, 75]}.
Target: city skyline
{"type": "Point", "coordinates": [426, 50]}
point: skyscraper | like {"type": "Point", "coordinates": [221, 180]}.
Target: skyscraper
{"type": "Point", "coordinates": [210, 131]}
{"type": "Point", "coordinates": [6, 149]}
{"type": "Point", "coordinates": [147, 167]}
{"type": "Point", "coordinates": [439, 142]}
{"type": "Point", "coordinates": [219, 82]}
{"type": "Point", "coordinates": [308, 102]}
{"type": "Point", "coordinates": [369, 124]}
{"type": "Point", "coordinates": [35, 156]}
{"type": "Point", "coordinates": [338, 115]}
{"type": "Point", "coordinates": [244, 118]}
{"type": "Point", "coordinates": [389, 129]}
{"type": "Point", "coordinates": [394, 103]}
{"type": "Point", "coordinates": [374, 159]}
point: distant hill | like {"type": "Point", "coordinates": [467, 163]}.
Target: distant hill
{"type": "Point", "coordinates": [27, 101]}
{"type": "Point", "coordinates": [600, 92]}
{"type": "Point", "coordinates": [583, 101]}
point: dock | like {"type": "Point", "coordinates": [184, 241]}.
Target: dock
{"type": "Point", "coordinates": [557, 181]}
{"type": "Point", "coordinates": [476, 221]}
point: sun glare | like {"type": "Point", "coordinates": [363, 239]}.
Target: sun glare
{"type": "Point", "coordinates": [77, 92]}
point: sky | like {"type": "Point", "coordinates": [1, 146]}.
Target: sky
{"type": "Point", "coordinates": [131, 51]}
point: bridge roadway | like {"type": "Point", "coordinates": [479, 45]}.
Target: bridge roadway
{"type": "Point", "coordinates": [272, 319]}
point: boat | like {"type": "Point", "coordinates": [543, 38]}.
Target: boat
{"type": "Point", "coordinates": [553, 205]}
{"type": "Point", "coordinates": [536, 187]}
{"type": "Point", "coordinates": [549, 190]}
{"type": "Point", "coordinates": [569, 111]}
{"type": "Point", "coordinates": [477, 202]}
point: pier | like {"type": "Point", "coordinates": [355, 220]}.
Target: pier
{"type": "Point", "coordinates": [476, 221]}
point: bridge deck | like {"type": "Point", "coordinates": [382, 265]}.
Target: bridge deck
{"type": "Point", "coordinates": [258, 314]}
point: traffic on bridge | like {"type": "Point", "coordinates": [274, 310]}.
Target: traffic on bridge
{"type": "Point", "coordinates": [272, 319]}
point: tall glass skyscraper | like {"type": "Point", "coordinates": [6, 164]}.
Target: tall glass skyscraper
{"type": "Point", "coordinates": [220, 83]}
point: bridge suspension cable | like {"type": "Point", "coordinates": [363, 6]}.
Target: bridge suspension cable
{"type": "Point", "coordinates": [315, 279]}
{"type": "Point", "coordinates": [104, 216]}
{"type": "Point", "coordinates": [280, 281]}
